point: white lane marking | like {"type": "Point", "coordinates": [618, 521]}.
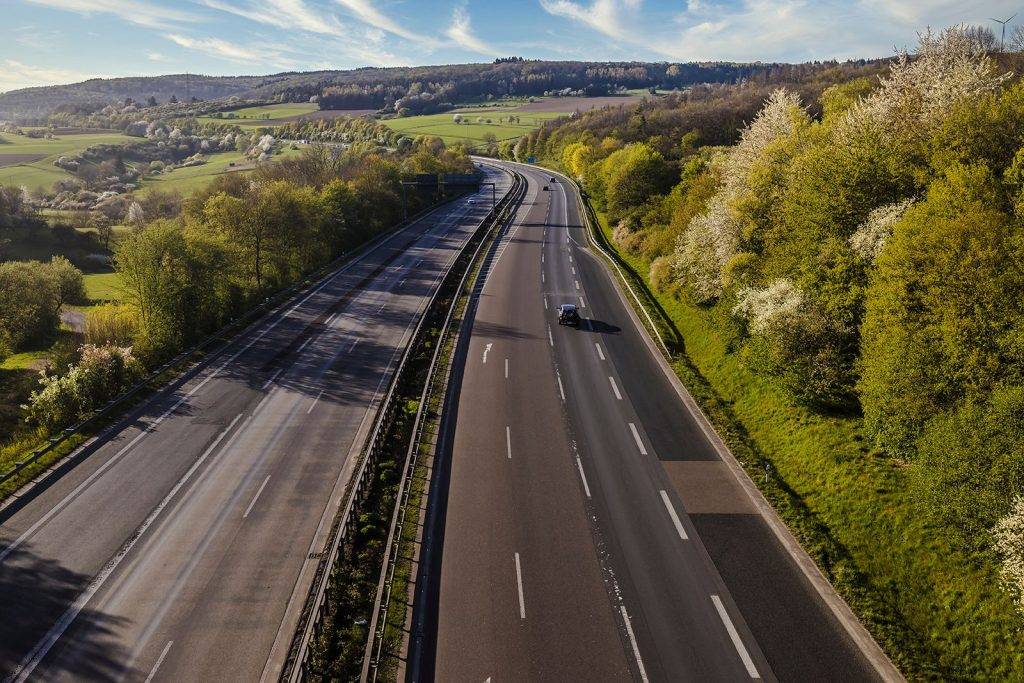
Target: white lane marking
{"type": "Point", "coordinates": [632, 642]}
{"type": "Point", "coordinates": [487, 350]}
{"type": "Point", "coordinates": [570, 261]}
{"type": "Point", "coordinates": [159, 661]}
{"type": "Point", "coordinates": [636, 437]}
{"type": "Point", "coordinates": [417, 263]}
{"type": "Point", "coordinates": [32, 659]}
{"type": "Point", "coordinates": [551, 340]}
{"type": "Point", "coordinates": [615, 388]}
{"type": "Point", "coordinates": [506, 368]}
{"type": "Point", "coordinates": [577, 283]}
{"type": "Point", "coordinates": [583, 304]}
{"type": "Point", "coordinates": [272, 378]}
{"type": "Point", "coordinates": [382, 306]}
{"type": "Point", "coordinates": [304, 344]}
{"type": "Point", "coordinates": [401, 282]}
{"type": "Point", "coordinates": [675, 518]}
{"type": "Point", "coordinates": [545, 303]}
{"type": "Point", "coordinates": [586, 486]}
{"type": "Point", "coordinates": [330, 320]}
{"type": "Point", "coordinates": [353, 346]}
{"type": "Point", "coordinates": [600, 353]}
{"type": "Point", "coordinates": [313, 404]}
{"type": "Point", "coordinates": [254, 498]}
{"type": "Point", "coordinates": [508, 442]}
{"type": "Point", "coordinates": [572, 267]}
{"type": "Point", "coordinates": [735, 636]}
{"type": "Point", "coordinates": [542, 278]}
{"type": "Point", "coordinates": [542, 257]}
{"type": "Point", "coordinates": [561, 391]}
{"type": "Point", "coordinates": [519, 585]}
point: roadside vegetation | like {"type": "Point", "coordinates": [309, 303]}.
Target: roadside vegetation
{"type": "Point", "coordinates": [184, 269]}
{"type": "Point", "coordinates": [846, 280]}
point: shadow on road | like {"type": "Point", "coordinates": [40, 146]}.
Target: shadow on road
{"type": "Point", "coordinates": [34, 593]}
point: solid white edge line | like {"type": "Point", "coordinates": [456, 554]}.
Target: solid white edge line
{"type": "Point", "coordinates": [32, 659]}
{"type": "Point", "coordinates": [586, 486]}
{"type": "Point", "coordinates": [315, 401]}
{"type": "Point", "coordinates": [632, 642]}
{"type": "Point", "coordinates": [636, 437]}
{"type": "Point", "coordinates": [615, 388]}
{"type": "Point", "coordinates": [508, 442]}
{"type": "Point", "coordinates": [272, 378]}
{"type": "Point", "coordinates": [600, 353]}
{"type": "Point", "coordinates": [519, 585]}
{"type": "Point", "coordinates": [735, 636]}
{"type": "Point", "coordinates": [256, 497]}
{"type": "Point", "coordinates": [159, 661]}
{"type": "Point", "coordinates": [675, 517]}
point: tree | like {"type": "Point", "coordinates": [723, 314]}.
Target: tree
{"type": "Point", "coordinates": [29, 303]}
{"type": "Point", "coordinates": [632, 175]}
{"type": "Point", "coordinates": [70, 283]}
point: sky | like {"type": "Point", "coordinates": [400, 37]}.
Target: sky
{"type": "Point", "coordinates": [44, 42]}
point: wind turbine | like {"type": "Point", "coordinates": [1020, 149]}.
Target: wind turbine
{"type": "Point", "coordinates": [1002, 36]}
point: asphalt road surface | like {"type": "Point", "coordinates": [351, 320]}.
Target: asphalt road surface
{"type": "Point", "coordinates": [181, 547]}
{"type": "Point", "coordinates": [591, 531]}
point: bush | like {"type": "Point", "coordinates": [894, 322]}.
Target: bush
{"type": "Point", "coordinates": [111, 324]}
{"type": "Point", "coordinates": [102, 373]}
{"type": "Point", "coordinates": [1009, 542]}
{"type": "Point", "coordinates": [29, 303]}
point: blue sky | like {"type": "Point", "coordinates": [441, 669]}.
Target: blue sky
{"type": "Point", "coordinates": [60, 41]}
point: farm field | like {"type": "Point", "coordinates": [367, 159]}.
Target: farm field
{"type": "Point", "coordinates": [571, 104]}
{"type": "Point", "coordinates": [191, 178]}
{"type": "Point", "coordinates": [276, 114]}
{"type": "Point", "coordinates": [103, 287]}
{"type": "Point", "coordinates": [470, 132]}
{"type": "Point", "coordinates": [29, 161]}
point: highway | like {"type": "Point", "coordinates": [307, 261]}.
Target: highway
{"type": "Point", "coordinates": [590, 529]}
{"type": "Point", "coordinates": [182, 546]}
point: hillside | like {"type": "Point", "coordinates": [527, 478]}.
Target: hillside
{"type": "Point", "coordinates": [379, 87]}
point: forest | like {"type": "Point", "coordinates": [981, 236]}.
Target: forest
{"type": "Point", "coordinates": [855, 251]}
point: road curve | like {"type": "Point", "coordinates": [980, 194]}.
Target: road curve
{"type": "Point", "coordinates": [182, 545]}
{"type": "Point", "coordinates": [591, 530]}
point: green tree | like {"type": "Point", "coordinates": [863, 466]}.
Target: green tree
{"type": "Point", "coordinates": [632, 175]}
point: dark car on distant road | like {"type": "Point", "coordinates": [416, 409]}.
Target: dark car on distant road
{"type": "Point", "coordinates": [568, 314]}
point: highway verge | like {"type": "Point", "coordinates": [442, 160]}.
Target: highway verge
{"type": "Point", "coordinates": [345, 624]}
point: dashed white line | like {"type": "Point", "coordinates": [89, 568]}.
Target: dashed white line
{"type": "Point", "coordinates": [561, 391]}
{"type": "Point", "coordinates": [353, 346]}
{"type": "Point", "coordinates": [315, 401]}
{"type": "Point", "coordinates": [636, 437]}
{"type": "Point", "coordinates": [545, 303]}
{"type": "Point", "coordinates": [573, 269]}
{"type": "Point", "coordinates": [159, 661]}
{"type": "Point", "coordinates": [401, 282]}
{"type": "Point", "coordinates": [508, 442]}
{"type": "Point", "coordinates": [506, 368]}
{"type": "Point", "coordinates": [32, 659]}
{"type": "Point", "coordinates": [632, 642]}
{"type": "Point", "coordinates": [542, 278]}
{"type": "Point", "coordinates": [487, 350]}
{"type": "Point", "coordinates": [577, 283]}
{"type": "Point", "coordinates": [583, 304]}
{"type": "Point", "coordinates": [586, 486]}
{"type": "Point", "coordinates": [272, 378]}
{"type": "Point", "coordinates": [519, 585]}
{"type": "Point", "coordinates": [256, 497]}
{"type": "Point", "coordinates": [600, 353]}
{"type": "Point", "coordinates": [304, 344]}
{"type": "Point", "coordinates": [736, 640]}
{"type": "Point", "coordinates": [675, 518]}
{"type": "Point", "coordinates": [615, 388]}
{"type": "Point", "coordinates": [382, 306]}
{"type": "Point", "coordinates": [551, 340]}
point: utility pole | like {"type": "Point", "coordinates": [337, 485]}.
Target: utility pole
{"type": "Point", "coordinates": [1002, 35]}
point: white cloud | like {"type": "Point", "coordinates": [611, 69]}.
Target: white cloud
{"type": "Point", "coordinates": [365, 11]}
{"type": "Point", "coordinates": [603, 16]}
{"type": "Point", "coordinates": [16, 75]}
{"type": "Point", "coordinates": [156, 57]}
{"type": "Point", "coordinates": [216, 47]}
{"type": "Point", "coordinates": [137, 12]}
{"type": "Point", "coordinates": [461, 33]}
{"type": "Point", "coordinates": [288, 14]}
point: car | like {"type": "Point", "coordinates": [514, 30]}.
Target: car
{"type": "Point", "coordinates": [553, 179]}
{"type": "Point", "coordinates": [545, 188]}
{"type": "Point", "coordinates": [568, 314]}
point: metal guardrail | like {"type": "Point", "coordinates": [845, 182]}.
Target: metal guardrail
{"type": "Point", "coordinates": [253, 315]}
{"type": "Point", "coordinates": [378, 624]}
{"type": "Point", "coordinates": [298, 666]}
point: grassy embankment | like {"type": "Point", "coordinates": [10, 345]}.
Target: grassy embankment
{"type": "Point", "coordinates": [258, 117]}
{"type": "Point", "coordinates": [937, 616]}
{"type": "Point", "coordinates": [39, 171]}
{"type": "Point", "coordinates": [188, 179]}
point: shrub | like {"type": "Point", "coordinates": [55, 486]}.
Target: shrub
{"type": "Point", "coordinates": [111, 324]}
{"type": "Point", "coordinates": [1009, 543]}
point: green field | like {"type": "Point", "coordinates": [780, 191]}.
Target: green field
{"type": "Point", "coordinates": [103, 287]}
{"type": "Point", "coordinates": [191, 178]}
{"type": "Point", "coordinates": [41, 173]}
{"type": "Point", "coordinates": [471, 132]}
{"type": "Point", "coordinates": [268, 115]}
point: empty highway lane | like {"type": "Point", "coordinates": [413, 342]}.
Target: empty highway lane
{"type": "Point", "coordinates": [181, 547]}
{"type": "Point", "coordinates": [592, 531]}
